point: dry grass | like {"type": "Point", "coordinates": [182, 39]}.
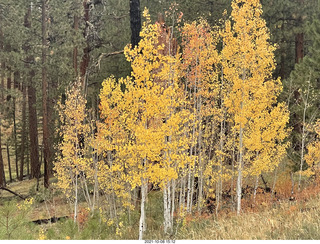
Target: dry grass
{"type": "Point", "coordinates": [288, 220]}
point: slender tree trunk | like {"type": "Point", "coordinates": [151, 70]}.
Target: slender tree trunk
{"type": "Point", "coordinates": [23, 132]}
{"type": "Point", "coordinates": [76, 199]}
{"type": "Point", "coordinates": [2, 174]}
{"type": "Point", "coordinates": [168, 202]}
{"type": "Point", "coordinates": [16, 86]}
{"type": "Point", "coordinates": [255, 190]}
{"type": "Point", "coordinates": [45, 125]}
{"type": "Point", "coordinates": [200, 181]}
{"type": "Point", "coordinates": [303, 136]}
{"type": "Point", "coordinates": [142, 222]}
{"type": "Point", "coordinates": [9, 81]}
{"type": "Point", "coordinates": [240, 166]}
{"type": "Point", "coordinates": [75, 49]}
{"type": "Point", "coordinates": [189, 185]}
{"type": "Point", "coordinates": [232, 177]}
{"type": "Point", "coordinates": [86, 51]}
{"type": "Point", "coordinates": [239, 180]}
{"type": "Point", "coordinates": [274, 183]}
{"type": "Point", "coordinates": [221, 144]}
{"type": "Point", "coordinates": [173, 196]}
{"type": "Point", "coordinates": [183, 197]}
{"type": "Point", "coordinates": [192, 151]}
{"type": "Point", "coordinates": [9, 162]}
{"type": "Point", "coordinates": [166, 209]}
{"type": "Point", "coordinates": [192, 192]}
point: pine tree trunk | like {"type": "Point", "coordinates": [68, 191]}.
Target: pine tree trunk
{"type": "Point", "coordinates": [33, 121]}
{"type": "Point", "coordinates": [299, 47]}
{"type": "Point", "coordinates": [75, 49]}
{"type": "Point", "coordinates": [45, 125]}
{"type": "Point", "coordinates": [9, 162]}
{"type": "Point", "coordinates": [135, 22]}
{"type": "Point", "coordinates": [16, 83]}
{"type": "Point", "coordinates": [86, 51]}
{"type": "Point", "coordinates": [23, 132]}
{"type": "Point", "coordinates": [33, 132]}
{"type": "Point", "coordinates": [2, 174]}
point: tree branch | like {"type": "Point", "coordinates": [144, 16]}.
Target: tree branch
{"type": "Point", "coordinates": [105, 55]}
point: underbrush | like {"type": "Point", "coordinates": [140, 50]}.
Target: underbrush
{"type": "Point", "coordinates": [288, 221]}
{"type": "Point", "coordinates": [277, 219]}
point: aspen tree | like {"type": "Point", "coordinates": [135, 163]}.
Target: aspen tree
{"type": "Point", "coordinates": [248, 65]}
{"type": "Point", "coordinates": [72, 166]}
{"type": "Point", "coordinates": [142, 124]}
{"type": "Point", "coordinates": [313, 155]}
{"type": "Point", "coordinates": [199, 67]}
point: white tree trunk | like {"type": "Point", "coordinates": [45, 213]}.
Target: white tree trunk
{"type": "Point", "coordinates": [76, 200]}
{"type": "Point", "coordinates": [166, 210]}
{"type": "Point", "coordinates": [172, 203]}
{"type": "Point", "coordinates": [239, 180]}
{"type": "Point", "coordinates": [192, 191]}
{"type": "Point", "coordinates": [189, 189]}
{"type": "Point", "coordinates": [142, 222]}
{"type": "Point", "coordinates": [255, 189]}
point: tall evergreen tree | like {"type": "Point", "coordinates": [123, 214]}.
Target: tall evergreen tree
{"type": "Point", "coordinates": [303, 97]}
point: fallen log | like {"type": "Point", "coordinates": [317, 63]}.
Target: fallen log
{"type": "Point", "coordinates": [51, 220]}
{"type": "Point", "coordinates": [12, 192]}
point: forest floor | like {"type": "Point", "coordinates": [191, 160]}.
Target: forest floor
{"type": "Point", "coordinates": [280, 218]}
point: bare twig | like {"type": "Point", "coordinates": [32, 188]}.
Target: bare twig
{"type": "Point", "coordinates": [105, 55]}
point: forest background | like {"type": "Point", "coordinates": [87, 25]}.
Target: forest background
{"type": "Point", "coordinates": [190, 141]}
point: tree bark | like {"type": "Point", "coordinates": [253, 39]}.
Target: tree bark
{"type": "Point", "coordinates": [2, 175]}
{"type": "Point", "coordinates": [33, 131]}
{"type": "Point", "coordinates": [142, 222]}
{"type": "Point", "coordinates": [23, 132]}
{"type": "Point", "coordinates": [75, 49]}
{"type": "Point", "coordinates": [16, 86]}
{"type": "Point", "coordinates": [303, 136]}
{"type": "Point", "coordinates": [135, 22]}
{"type": "Point", "coordinates": [86, 51]}
{"type": "Point", "coordinates": [32, 100]}
{"type": "Point", "coordinates": [45, 125]}
{"type": "Point", "coordinates": [299, 47]}
{"type": "Point", "coordinates": [9, 162]}
{"type": "Point", "coordinates": [240, 166]}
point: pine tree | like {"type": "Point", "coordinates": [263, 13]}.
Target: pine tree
{"type": "Point", "coordinates": [303, 97]}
